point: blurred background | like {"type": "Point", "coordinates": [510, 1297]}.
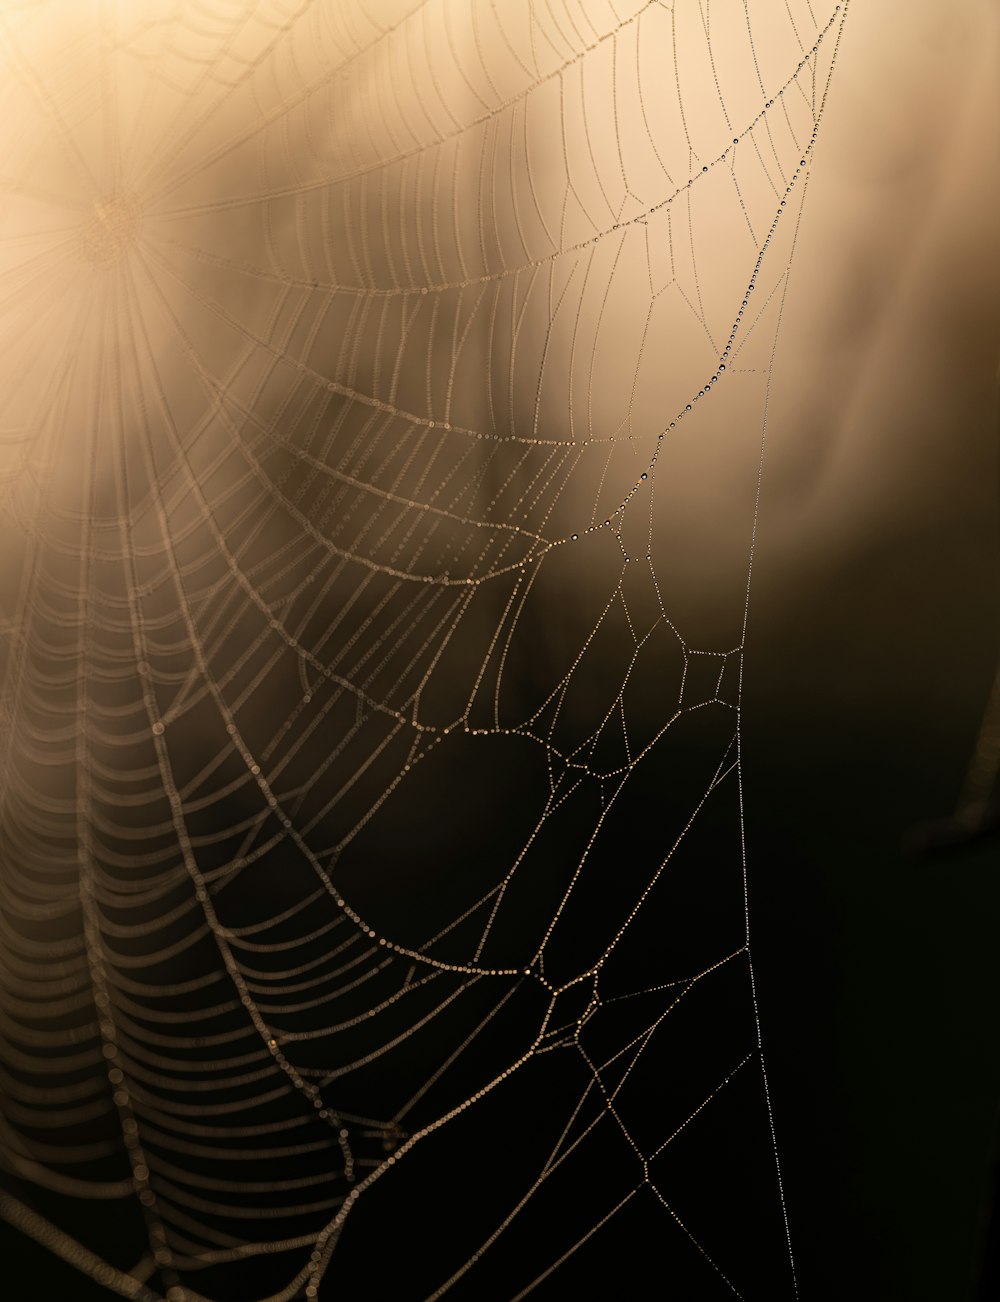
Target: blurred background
{"type": "Point", "coordinates": [471, 475]}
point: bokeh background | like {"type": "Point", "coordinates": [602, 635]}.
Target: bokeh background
{"type": "Point", "coordinates": [533, 265]}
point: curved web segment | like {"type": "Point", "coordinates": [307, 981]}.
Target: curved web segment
{"type": "Point", "coordinates": [383, 397]}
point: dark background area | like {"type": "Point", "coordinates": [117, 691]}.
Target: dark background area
{"type": "Point", "coordinates": [869, 662]}
{"type": "Point", "coordinates": [877, 973]}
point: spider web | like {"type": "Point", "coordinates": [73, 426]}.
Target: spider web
{"type": "Point", "coordinates": [384, 391]}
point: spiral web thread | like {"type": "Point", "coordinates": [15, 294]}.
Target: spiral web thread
{"type": "Point", "coordinates": [341, 343]}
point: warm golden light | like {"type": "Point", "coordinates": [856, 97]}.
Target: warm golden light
{"type": "Point", "coordinates": [111, 230]}
{"type": "Point", "coordinates": [422, 424]}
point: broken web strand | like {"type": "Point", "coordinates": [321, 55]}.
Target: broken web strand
{"type": "Point", "coordinates": [111, 234]}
